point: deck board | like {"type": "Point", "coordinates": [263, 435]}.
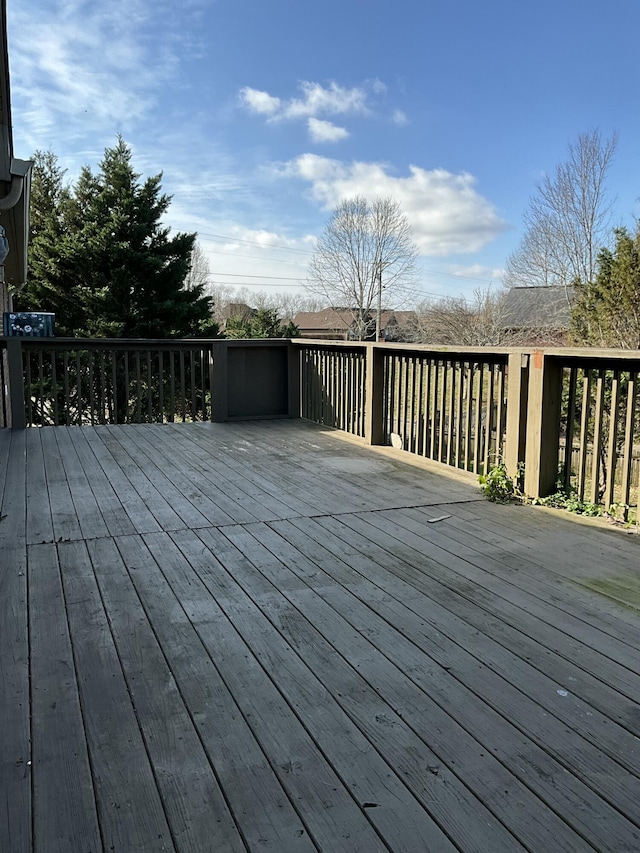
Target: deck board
{"type": "Point", "coordinates": [15, 757]}
{"type": "Point", "coordinates": [248, 637]}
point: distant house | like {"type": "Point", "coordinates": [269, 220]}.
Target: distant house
{"type": "Point", "coordinates": [337, 324]}
{"type": "Point", "coordinates": [333, 324]}
{"type": "Point", "coordinates": [234, 311]}
{"type": "Point", "coordinates": [537, 315]}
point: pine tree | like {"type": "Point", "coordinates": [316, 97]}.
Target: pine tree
{"type": "Point", "coordinates": [265, 323]}
{"type": "Point", "coordinates": [607, 311]}
{"type": "Point", "coordinates": [101, 259]}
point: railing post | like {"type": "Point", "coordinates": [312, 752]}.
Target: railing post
{"type": "Point", "coordinates": [219, 383]}
{"type": "Point", "coordinates": [293, 359]}
{"type": "Point", "coordinates": [374, 396]}
{"type": "Point", "coordinates": [543, 425]}
{"type": "Point", "coordinates": [517, 407]}
{"type": "Point", "coordinates": [16, 383]}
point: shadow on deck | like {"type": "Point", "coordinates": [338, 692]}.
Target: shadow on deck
{"type": "Point", "coordinates": [260, 636]}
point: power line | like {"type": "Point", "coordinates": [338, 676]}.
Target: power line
{"type": "Point", "coordinates": [247, 275]}
{"type": "Point", "coordinates": [229, 239]}
{"type": "Point", "coordinates": [254, 284]}
{"type": "Point", "coordinates": [255, 258]}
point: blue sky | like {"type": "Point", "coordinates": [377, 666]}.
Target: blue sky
{"type": "Point", "coordinates": [262, 116]}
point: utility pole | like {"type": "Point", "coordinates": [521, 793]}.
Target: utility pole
{"type": "Point", "coordinates": [379, 314]}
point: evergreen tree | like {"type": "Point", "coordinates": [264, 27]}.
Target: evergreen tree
{"type": "Point", "coordinates": [606, 311]}
{"type": "Point", "coordinates": [264, 323]}
{"type": "Point", "coordinates": [101, 259]}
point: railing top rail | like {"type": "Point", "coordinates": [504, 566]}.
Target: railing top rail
{"type": "Point", "coordinates": [609, 358]}
{"type": "Point", "coordinates": [567, 354]}
{"type": "Point", "coordinates": [142, 343]}
{"type": "Point", "coordinates": [500, 352]}
{"type": "Point", "coordinates": [593, 358]}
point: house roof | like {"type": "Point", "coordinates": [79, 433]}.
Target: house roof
{"type": "Point", "coordinates": [15, 175]}
{"type": "Point", "coordinates": [237, 309]}
{"type": "Point", "coordinates": [537, 308]}
{"type": "Point", "coordinates": [339, 319]}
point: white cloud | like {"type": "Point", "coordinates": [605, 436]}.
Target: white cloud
{"type": "Point", "coordinates": [325, 131]}
{"type": "Point", "coordinates": [478, 272]}
{"type": "Point", "coordinates": [447, 214]}
{"type": "Point", "coordinates": [80, 67]}
{"type": "Point", "coordinates": [259, 102]}
{"type": "Point", "coordinates": [320, 101]}
{"type": "Point", "coordinates": [334, 100]}
{"type": "Point", "coordinates": [316, 100]}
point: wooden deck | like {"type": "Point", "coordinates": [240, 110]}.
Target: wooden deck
{"type": "Point", "coordinates": [264, 637]}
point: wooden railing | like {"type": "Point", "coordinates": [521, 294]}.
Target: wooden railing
{"type": "Point", "coordinates": [599, 428]}
{"type": "Point", "coordinates": [333, 382]}
{"type": "Point", "coordinates": [115, 383]}
{"type": "Point", "coordinates": [64, 381]}
{"type": "Point", "coordinates": [451, 409]}
{"type": "Point", "coordinates": [568, 418]}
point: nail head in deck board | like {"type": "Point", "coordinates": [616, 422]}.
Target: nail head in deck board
{"type": "Point", "coordinates": [254, 793]}
{"type": "Point", "coordinates": [129, 807]}
{"type": "Point", "coordinates": [196, 810]}
{"type": "Point", "coordinates": [362, 770]}
{"type": "Point", "coordinates": [65, 818]}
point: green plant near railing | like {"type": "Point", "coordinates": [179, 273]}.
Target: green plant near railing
{"type": "Point", "coordinates": [497, 486]}
{"type": "Point", "coordinates": [568, 499]}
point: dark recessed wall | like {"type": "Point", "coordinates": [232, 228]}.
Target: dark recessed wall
{"type": "Point", "coordinates": [258, 382]}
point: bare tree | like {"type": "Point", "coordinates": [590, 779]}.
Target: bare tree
{"type": "Point", "coordinates": [456, 321]}
{"type": "Point", "coordinates": [568, 219]}
{"type": "Point", "coordinates": [198, 270]}
{"type": "Point", "coordinates": [365, 254]}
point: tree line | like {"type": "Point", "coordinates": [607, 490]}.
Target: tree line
{"type": "Point", "coordinates": [102, 260]}
{"type": "Point", "coordinates": [569, 242]}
